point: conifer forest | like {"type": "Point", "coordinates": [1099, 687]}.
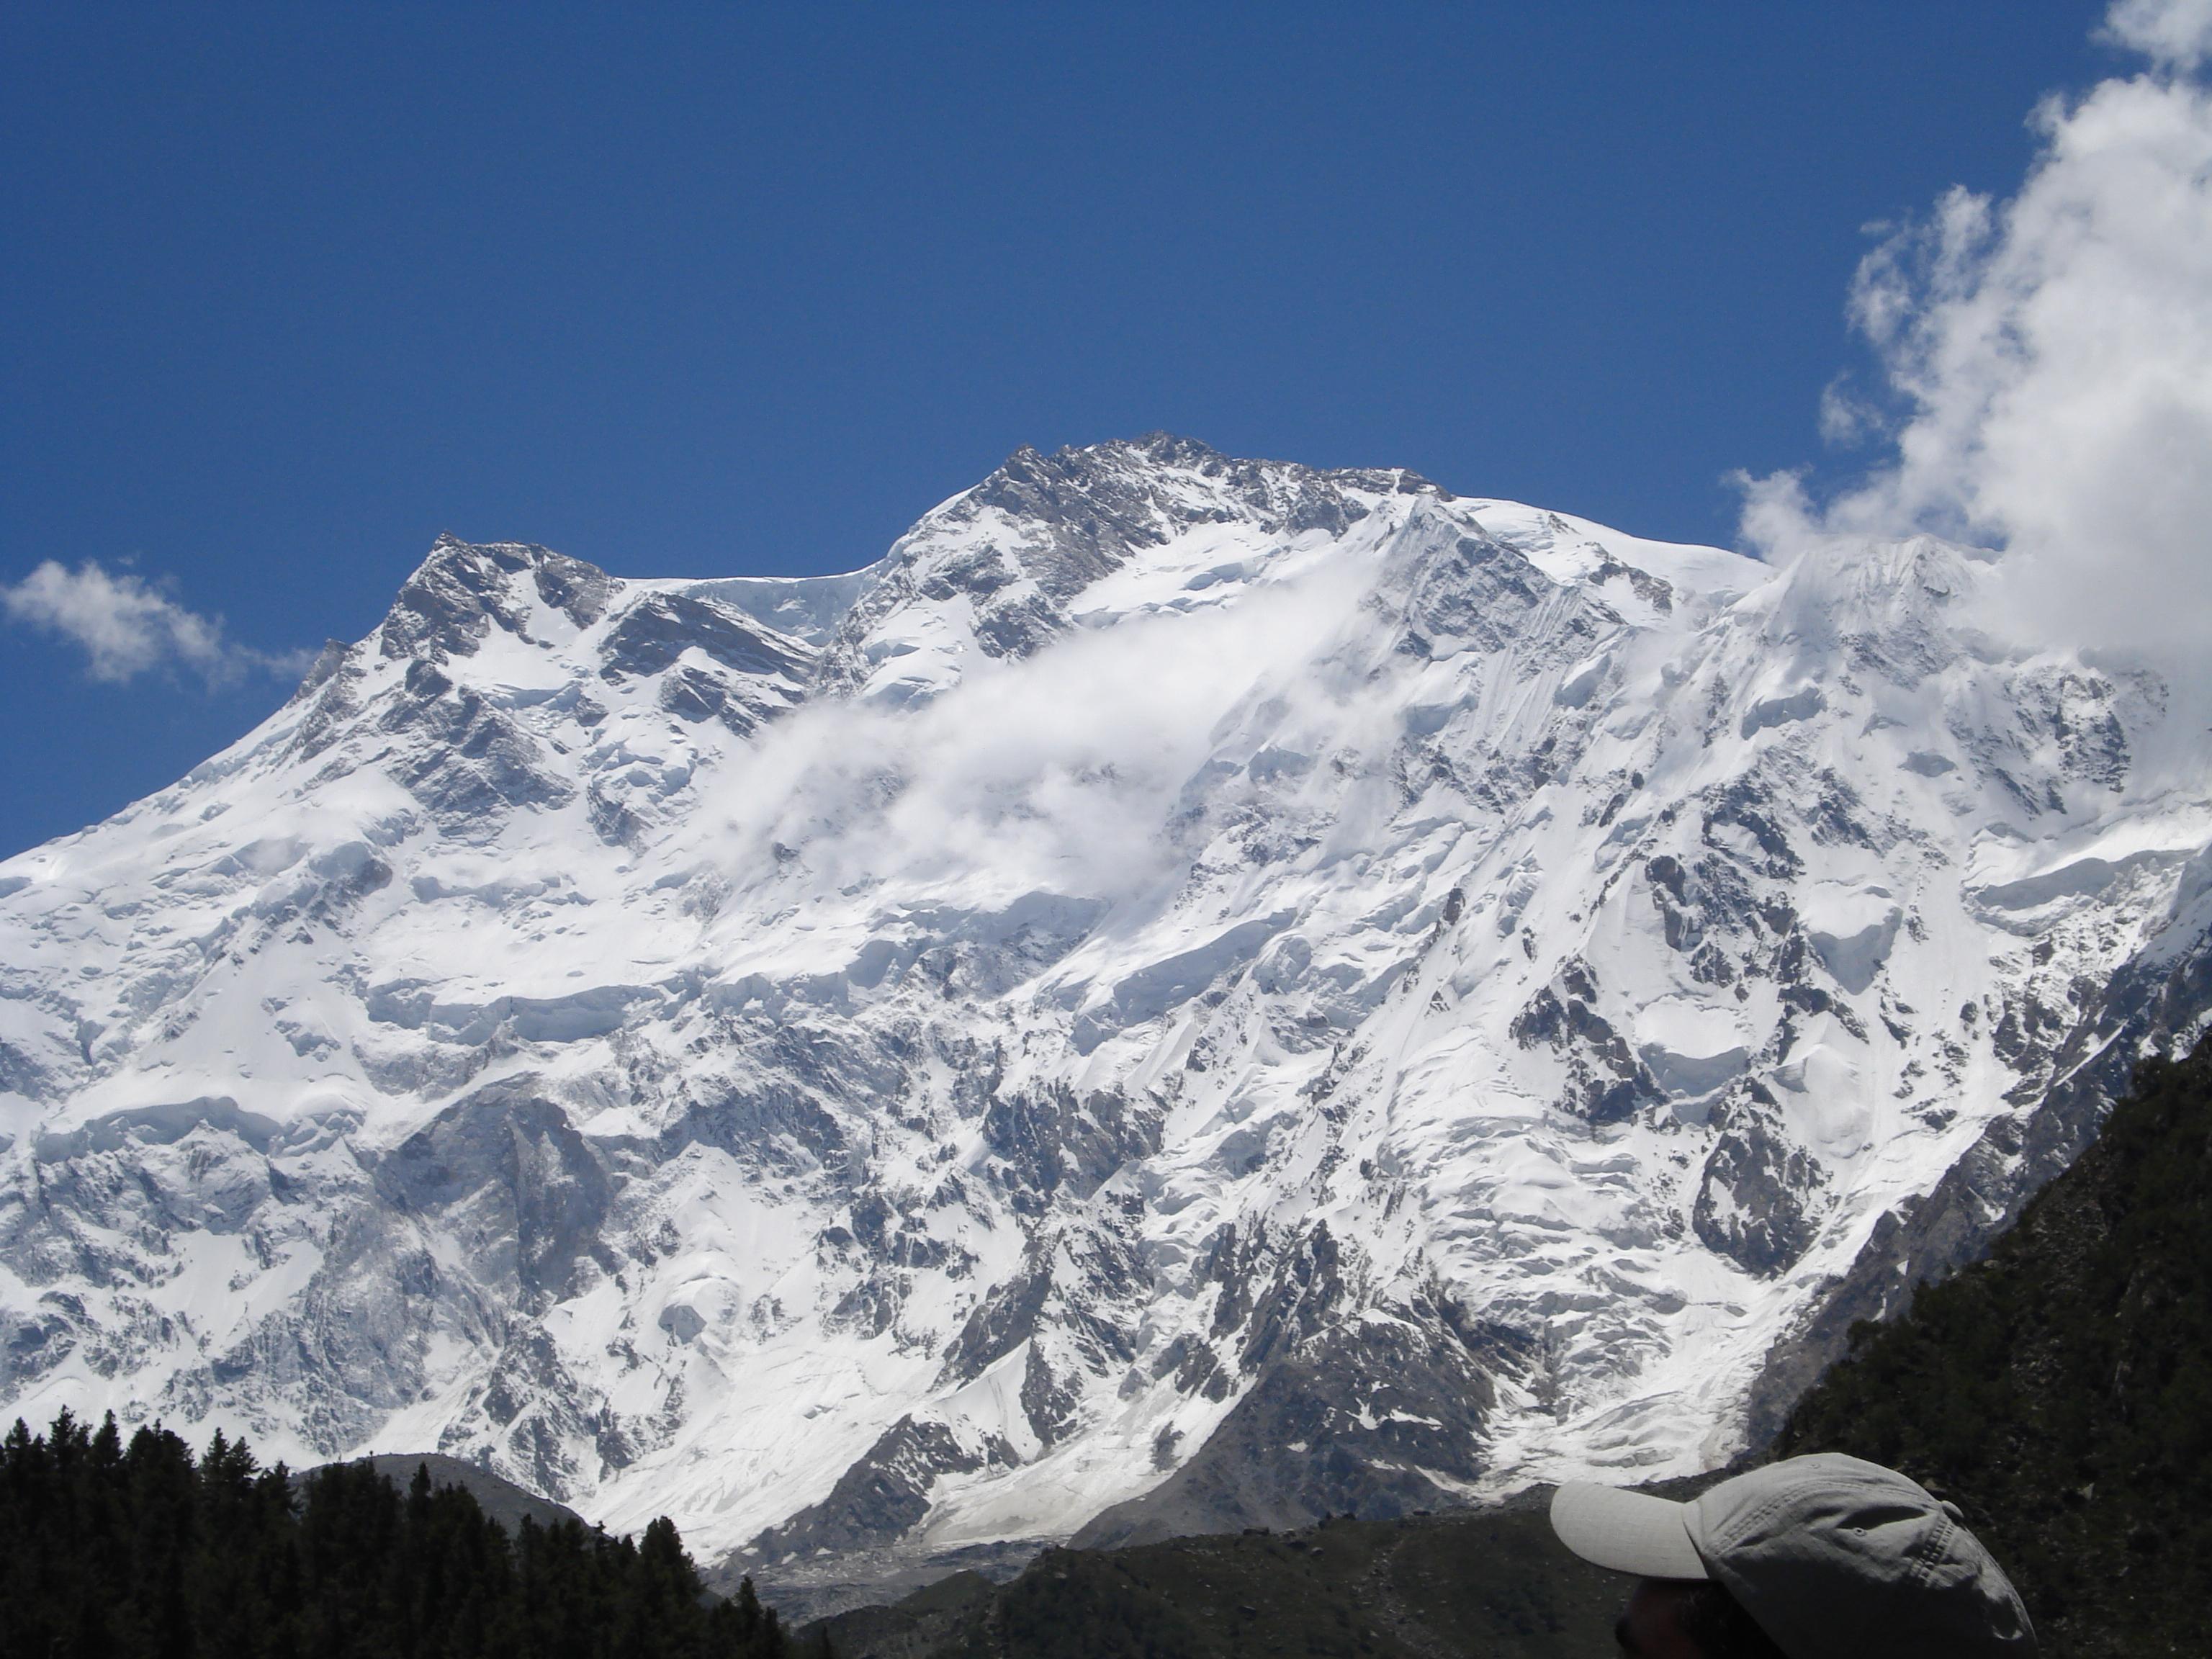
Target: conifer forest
{"type": "Point", "coordinates": [137, 1549]}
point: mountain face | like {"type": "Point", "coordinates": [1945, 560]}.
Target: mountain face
{"type": "Point", "coordinates": [1194, 992]}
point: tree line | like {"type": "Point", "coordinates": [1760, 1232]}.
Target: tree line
{"type": "Point", "coordinates": [2061, 1390]}
{"type": "Point", "coordinates": [142, 1550]}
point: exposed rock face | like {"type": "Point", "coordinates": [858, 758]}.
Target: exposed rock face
{"type": "Point", "coordinates": [1380, 1416]}
{"type": "Point", "coordinates": [885, 1494]}
{"type": "Point", "coordinates": [1195, 992]}
{"type": "Point", "coordinates": [1759, 1202]}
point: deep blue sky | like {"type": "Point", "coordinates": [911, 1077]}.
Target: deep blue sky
{"type": "Point", "coordinates": [285, 292]}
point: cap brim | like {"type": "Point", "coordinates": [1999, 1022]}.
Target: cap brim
{"type": "Point", "coordinates": [1626, 1531]}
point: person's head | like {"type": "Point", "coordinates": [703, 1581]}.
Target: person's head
{"type": "Point", "coordinates": [1813, 1558]}
{"type": "Point", "coordinates": [1689, 1619]}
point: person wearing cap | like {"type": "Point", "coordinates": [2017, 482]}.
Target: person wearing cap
{"type": "Point", "coordinates": [1823, 1557]}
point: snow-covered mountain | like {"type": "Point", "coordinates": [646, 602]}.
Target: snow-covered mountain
{"type": "Point", "coordinates": [1193, 993]}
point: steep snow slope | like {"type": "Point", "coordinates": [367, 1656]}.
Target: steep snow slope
{"type": "Point", "coordinates": [1194, 991]}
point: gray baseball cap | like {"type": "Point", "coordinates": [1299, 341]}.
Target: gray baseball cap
{"type": "Point", "coordinates": [1831, 1556]}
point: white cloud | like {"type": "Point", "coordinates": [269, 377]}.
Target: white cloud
{"type": "Point", "coordinates": [1051, 772]}
{"type": "Point", "coordinates": [2174, 33]}
{"type": "Point", "coordinates": [2050, 359]}
{"type": "Point", "coordinates": [125, 628]}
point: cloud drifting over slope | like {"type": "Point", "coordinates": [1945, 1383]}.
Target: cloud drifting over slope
{"type": "Point", "coordinates": [1051, 771]}
{"type": "Point", "coordinates": [2052, 358]}
{"type": "Point", "coordinates": [126, 628]}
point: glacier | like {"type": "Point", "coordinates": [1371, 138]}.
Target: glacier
{"type": "Point", "coordinates": [1193, 993]}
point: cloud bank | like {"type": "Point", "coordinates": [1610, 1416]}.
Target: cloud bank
{"type": "Point", "coordinates": [2049, 363]}
{"type": "Point", "coordinates": [125, 628]}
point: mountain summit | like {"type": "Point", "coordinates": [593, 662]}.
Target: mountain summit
{"type": "Point", "coordinates": [1193, 993]}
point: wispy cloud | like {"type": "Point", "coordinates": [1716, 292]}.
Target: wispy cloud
{"type": "Point", "coordinates": [125, 627]}
{"type": "Point", "coordinates": [2048, 362]}
{"type": "Point", "coordinates": [1050, 772]}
